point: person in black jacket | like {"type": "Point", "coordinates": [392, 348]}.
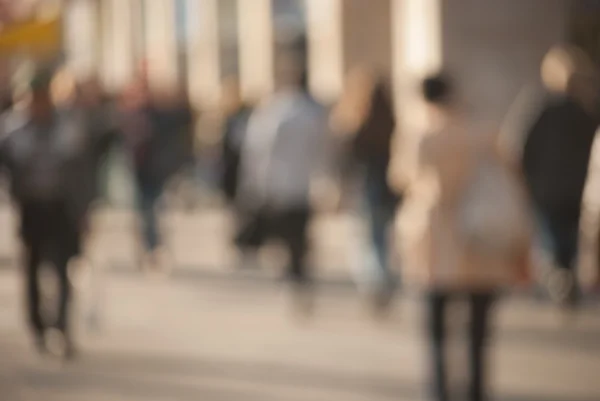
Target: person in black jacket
{"type": "Point", "coordinates": [555, 163]}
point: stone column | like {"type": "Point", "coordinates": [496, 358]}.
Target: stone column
{"type": "Point", "coordinates": [81, 37]}
{"type": "Point", "coordinates": [417, 44]}
{"type": "Point", "coordinates": [367, 33]}
{"type": "Point", "coordinates": [229, 38]}
{"type": "Point", "coordinates": [161, 43]}
{"type": "Point", "coordinates": [256, 47]}
{"type": "Point", "coordinates": [325, 46]}
{"type": "Point", "coordinates": [138, 32]}
{"type": "Point", "coordinates": [204, 52]}
{"type": "Point", "coordinates": [117, 45]}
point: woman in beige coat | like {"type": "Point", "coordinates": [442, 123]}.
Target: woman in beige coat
{"type": "Point", "coordinates": [440, 252]}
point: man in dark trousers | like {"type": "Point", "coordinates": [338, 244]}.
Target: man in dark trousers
{"type": "Point", "coordinates": [42, 152]}
{"type": "Point", "coordinates": [284, 153]}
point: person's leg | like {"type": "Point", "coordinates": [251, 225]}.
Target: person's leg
{"type": "Point", "coordinates": [564, 229]}
{"type": "Point", "coordinates": [568, 239]}
{"type": "Point", "coordinates": [61, 261]}
{"type": "Point", "coordinates": [380, 211]}
{"type": "Point", "coordinates": [250, 236]}
{"type": "Point", "coordinates": [291, 227]}
{"type": "Point", "coordinates": [381, 282]}
{"type": "Point", "coordinates": [481, 305]}
{"type": "Point", "coordinates": [65, 348]}
{"type": "Point", "coordinates": [379, 219]}
{"type": "Point", "coordinates": [65, 246]}
{"type": "Point", "coordinates": [297, 241]}
{"type": "Point", "coordinates": [33, 261]}
{"type": "Point", "coordinates": [149, 214]}
{"type": "Point", "coordinates": [32, 234]}
{"type": "Point", "coordinates": [437, 304]}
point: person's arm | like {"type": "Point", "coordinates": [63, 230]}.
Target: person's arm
{"type": "Point", "coordinates": [325, 188]}
{"type": "Point", "coordinates": [424, 160]}
{"type": "Point", "coordinates": [513, 130]}
{"type": "Point", "coordinates": [532, 145]}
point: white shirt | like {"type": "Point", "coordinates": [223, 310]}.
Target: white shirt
{"type": "Point", "coordinates": [284, 149]}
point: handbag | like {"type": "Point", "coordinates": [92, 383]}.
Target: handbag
{"type": "Point", "coordinates": [495, 219]}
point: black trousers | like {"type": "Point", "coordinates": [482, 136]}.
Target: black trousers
{"type": "Point", "coordinates": [49, 235]}
{"type": "Point", "coordinates": [480, 305]}
{"type": "Point", "coordinates": [561, 223]}
{"type": "Point", "coordinates": [290, 226]}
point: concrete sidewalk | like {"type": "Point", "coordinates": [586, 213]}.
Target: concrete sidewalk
{"type": "Point", "coordinates": [163, 340]}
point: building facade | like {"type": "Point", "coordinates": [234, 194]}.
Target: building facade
{"type": "Point", "coordinates": [492, 48]}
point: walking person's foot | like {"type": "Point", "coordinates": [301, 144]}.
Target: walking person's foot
{"type": "Point", "coordinates": [61, 345]}
{"type": "Point", "coordinates": [562, 288]}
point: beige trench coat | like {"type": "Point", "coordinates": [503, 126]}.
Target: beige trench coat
{"type": "Point", "coordinates": [434, 250]}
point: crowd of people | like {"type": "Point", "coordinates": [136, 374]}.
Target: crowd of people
{"type": "Point", "coordinates": [469, 217]}
{"type": "Point", "coordinates": [55, 140]}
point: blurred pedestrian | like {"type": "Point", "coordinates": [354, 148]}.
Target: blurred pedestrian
{"type": "Point", "coordinates": [172, 115]}
{"type": "Point", "coordinates": [555, 161]}
{"type": "Point", "coordinates": [283, 153]}
{"type": "Point", "coordinates": [42, 152]}
{"type": "Point", "coordinates": [101, 134]}
{"type": "Point", "coordinates": [102, 128]}
{"type": "Point", "coordinates": [157, 128]}
{"type": "Point", "coordinates": [463, 231]}
{"type": "Point", "coordinates": [366, 116]}
{"type": "Point", "coordinates": [236, 115]}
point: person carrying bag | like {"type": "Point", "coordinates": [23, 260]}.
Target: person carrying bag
{"type": "Point", "coordinates": [496, 217]}
{"type": "Point", "coordinates": [464, 231]}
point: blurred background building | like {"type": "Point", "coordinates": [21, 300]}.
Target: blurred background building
{"type": "Point", "coordinates": [492, 48]}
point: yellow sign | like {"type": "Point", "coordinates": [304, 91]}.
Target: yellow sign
{"type": "Point", "coordinates": [32, 37]}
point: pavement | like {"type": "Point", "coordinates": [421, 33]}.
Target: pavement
{"type": "Point", "coordinates": [212, 332]}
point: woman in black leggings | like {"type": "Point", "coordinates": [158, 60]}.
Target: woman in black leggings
{"type": "Point", "coordinates": [480, 306]}
{"type": "Point", "coordinates": [450, 263]}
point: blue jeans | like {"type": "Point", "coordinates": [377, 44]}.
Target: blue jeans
{"type": "Point", "coordinates": [381, 207]}
{"type": "Point", "coordinates": [148, 197]}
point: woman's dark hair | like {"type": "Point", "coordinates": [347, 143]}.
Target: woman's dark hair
{"type": "Point", "coordinates": [436, 89]}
